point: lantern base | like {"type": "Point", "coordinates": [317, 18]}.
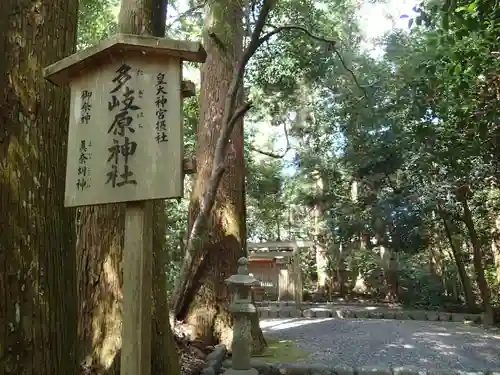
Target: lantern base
{"type": "Point", "coordinates": [250, 371]}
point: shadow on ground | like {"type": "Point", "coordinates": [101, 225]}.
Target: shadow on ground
{"type": "Point", "coordinates": [428, 345]}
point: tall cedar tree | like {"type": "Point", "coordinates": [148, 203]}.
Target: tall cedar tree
{"type": "Point", "coordinates": [205, 307]}
{"type": "Point", "coordinates": [37, 238]}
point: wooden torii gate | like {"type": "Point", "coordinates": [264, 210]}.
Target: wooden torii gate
{"type": "Point", "coordinates": [276, 265]}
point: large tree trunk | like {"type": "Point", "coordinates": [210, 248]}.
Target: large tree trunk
{"type": "Point", "coordinates": [459, 261]}
{"type": "Point", "coordinates": [495, 244]}
{"type": "Point", "coordinates": [478, 262]}
{"type": "Point", "coordinates": [205, 306]}
{"type": "Point", "coordinates": [100, 253]}
{"type": "Point", "coordinates": [322, 261]}
{"type": "Point", "coordinates": [389, 266]}
{"type": "Point", "coordinates": [99, 267]}
{"type": "Point", "coordinates": [37, 259]}
{"type": "Point", "coordinates": [165, 359]}
{"type": "Point", "coordinates": [388, 263]}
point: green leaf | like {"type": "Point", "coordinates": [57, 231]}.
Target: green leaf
{"type": "Point", "coordinates": [471, 8]}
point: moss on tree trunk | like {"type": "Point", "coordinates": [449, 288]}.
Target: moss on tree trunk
{"type": "Point", "coordinates": [99, 257]}
{"type": "Point", "coordinates": [37, 259]}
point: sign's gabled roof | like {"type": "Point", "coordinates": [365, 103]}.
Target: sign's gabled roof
{"type": "Point", "coordinates": [118, 46]}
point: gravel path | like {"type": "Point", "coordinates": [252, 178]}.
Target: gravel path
{"type": "Point", "coordinates": [386, 343]}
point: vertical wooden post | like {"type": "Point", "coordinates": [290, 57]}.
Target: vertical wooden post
{"type": "Point", "coordinates": [283, 282]}
{"type": "Point", "coordinates": [137, 279]}
{"type": "Point", "coordinates": [298, 276]}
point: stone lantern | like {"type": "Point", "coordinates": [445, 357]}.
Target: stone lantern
{"type": "Point", "coordinates": [242, 308]}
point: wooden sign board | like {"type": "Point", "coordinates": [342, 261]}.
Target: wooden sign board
{"type": "Point", "coordinates": [125, 144]}
{"type": "Point", "coordinates": [125, 139]}
{"type": "Point", "coordinates": [125, 133]}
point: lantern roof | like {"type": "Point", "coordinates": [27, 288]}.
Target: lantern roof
{"type": "Point", "coordinates": [242, 277]}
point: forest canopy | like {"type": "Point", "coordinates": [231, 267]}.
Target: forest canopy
{"type": "Point", "coordinates": [381, 150]}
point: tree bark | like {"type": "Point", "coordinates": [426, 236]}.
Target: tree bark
{"type": "Point", "coordinates": [478, 262]}
{"type": "Point", "coordinates": [205, 306]}
{"type": "Point", "coordinates": [37, 237]}
{"type": "Point", "coordinates": [458, 256]}
{"type": "Point", "coordinates": [390, 273]}
{"type": "Point", "coordinates": [322, 261]}
{"type": "Point", "coordinates": [495, 245]}
{"type": "Point", "coordinates": [388, 262]}
{"type": "Point", "coordinates": [99, 266]}
{"type": "Point", "coordinates": [100, 250]}
{"type": "Point", "coordinates": [165, 359]}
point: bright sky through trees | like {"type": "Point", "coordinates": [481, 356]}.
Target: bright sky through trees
{"type": "Point", "coordinates": [378, 19]}
{"type": "Point", "coordinates": [375, 21]}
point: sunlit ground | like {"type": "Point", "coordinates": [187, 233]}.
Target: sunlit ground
{"type": "Point", "coordinates": [281, 351]}
{"type": "Point", "coordinates": [279, 324]}
{"type": "Point", "coordinates": [385, 342]}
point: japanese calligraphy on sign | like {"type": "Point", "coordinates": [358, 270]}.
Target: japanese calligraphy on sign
{"type": "Point", "coordinates": [86, 106]}
{"type": "Point", "coordinates": [129, 115]}
{"type": "Point", "coordinates": [122, 128]}
{"type": "Point", "coordinates": [83, 171]}
{"type": "Point", "coordinates": [161, 108]}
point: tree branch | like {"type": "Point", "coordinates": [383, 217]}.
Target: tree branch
{"type": "Point", "coordinates": [187, 13]}
{"type": "Point", "coordinates": [332, 43]}
{"type": "Point", "coordinates": [391, 184]}
{"type": "Point", "coordinates": [195, 241]}
{"type": "Point", "coordinates": [217, 41]}
{"type": "Point", "coordinates": [268, 153]}
{"type": "Point", "coordinates": [239, 113]}
{"type": "Point", "coordinates": [272, 154]}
